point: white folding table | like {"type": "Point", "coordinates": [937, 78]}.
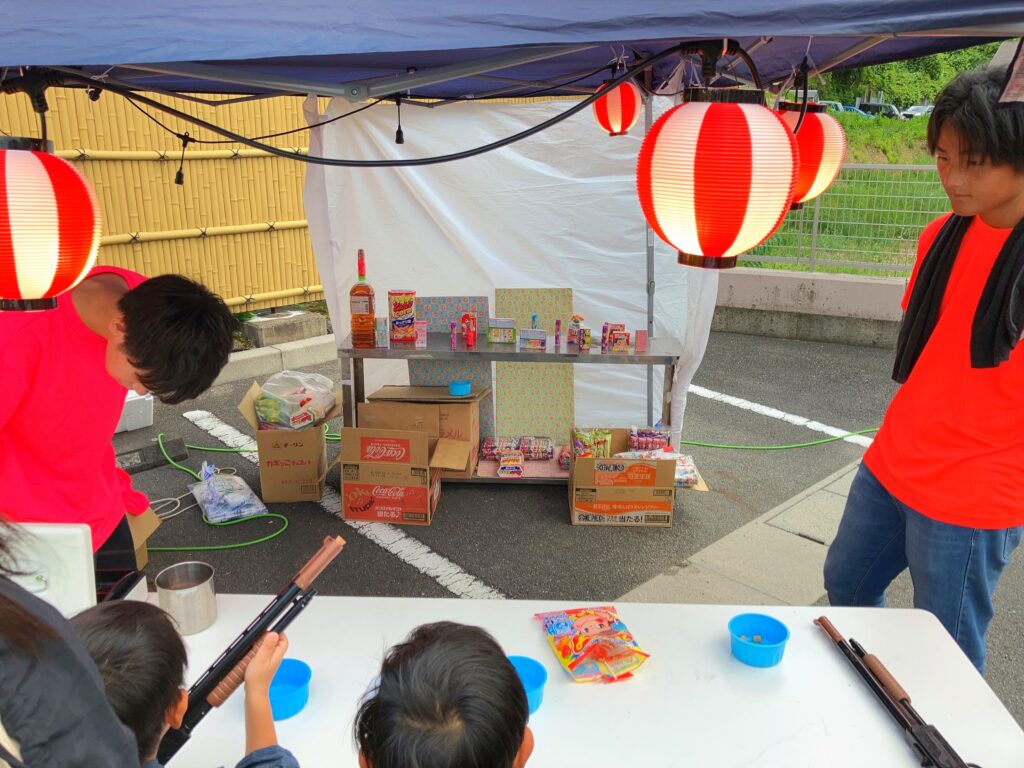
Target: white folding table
{"type": "Point", "coordinates": [691, 704]}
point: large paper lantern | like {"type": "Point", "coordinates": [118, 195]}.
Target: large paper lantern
{"type": "Point", "coordinates": [716, 179]}
{"type": "Point", "coordinates": [822, 146]}
{"type": "Point", "coordinates": [49, 229]}
{"type": "Point", "coordinates": [618, 110]}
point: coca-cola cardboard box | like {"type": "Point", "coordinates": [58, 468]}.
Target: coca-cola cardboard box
{"type": "Point", "coordinates": [394, 476]}
{"type": "Point", "coordinates": [431, 410]}
{"type": "Point", "coordinates": [293, 462]}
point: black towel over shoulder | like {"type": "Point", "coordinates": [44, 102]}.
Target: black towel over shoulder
{"type": "Point", "coordinates": [999, 318]}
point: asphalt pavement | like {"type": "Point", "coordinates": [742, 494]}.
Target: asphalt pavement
{"type": "Point", "coordinates": [517, 540]}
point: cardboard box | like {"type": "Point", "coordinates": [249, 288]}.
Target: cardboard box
{"type": "Point", "coordinates": [293, 462]}
{"type": "Point", "coordinates": [394, 476]}
{"type": "Point", "coordinates": [621, 491]}
{"type": "Point", "coordinates": [142, 527]}
{"type": "Point", "coordinates": [433, 411]}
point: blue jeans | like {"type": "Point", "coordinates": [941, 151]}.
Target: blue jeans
{"type": "Point", "coordinates": [954, 569]}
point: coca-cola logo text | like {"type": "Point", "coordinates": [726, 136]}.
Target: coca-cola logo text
{"type": "Point", "coordinates": [384, 449]}
{"type": "Point", "coordinates": [388, 492]}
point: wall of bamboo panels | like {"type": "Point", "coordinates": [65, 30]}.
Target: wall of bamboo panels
{"type": "Point", "coordinates": [153, 226]}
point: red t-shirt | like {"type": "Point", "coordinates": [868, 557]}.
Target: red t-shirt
{"type": "Point", "coordinates": [952, 442]}
{"type": "Point", "coordinates": [58, 411]}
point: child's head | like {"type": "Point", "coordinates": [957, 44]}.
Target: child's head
{"type": "Point", "coordinates": [173, 337]}
{"type": "Point", "coordinates": [979, 148]}
{"type": "Point", "coordinates": [141, 659]}
{"type": "Point", "coordinates": [446, 696]}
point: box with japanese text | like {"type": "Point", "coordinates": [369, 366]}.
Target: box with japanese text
{"type": "Point", "coordinates": [292, 461]}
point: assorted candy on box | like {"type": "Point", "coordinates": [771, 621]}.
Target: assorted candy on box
{"type": "Point", "coordinates": [510, 464]}
{"type": "Point", "coordinates": [294, 400]}
{"type": "Point", "coordinates": [592, 643]}
{"type": "Point", "coordinates": [648, 438]}
{"type": "Point", "coordinates": [564, 456]}
{"type": "Point", "coordinates": [686, 470]}
{"type": "Point", "coordinates": [537, 448]}
{"type": "Point", "coordinates": [490, 447]}
{"type": "Point", "coordinates": [592, 443]}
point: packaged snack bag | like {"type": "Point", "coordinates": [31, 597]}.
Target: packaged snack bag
{"type": "Point", "coordinates": [686, 470]}
{"type": "Point", "coordinates": [491, 447]}
{"type": "Point", "coordinates": [293, 400]}
{"type": "Point", "coordinates": [510, 464]}
{"type": "Point", "coordinates": [592, 643]}
{"type": "Point", "coordinates": [537, 448]}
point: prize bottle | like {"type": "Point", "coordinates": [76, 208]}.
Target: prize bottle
{"type": "Point", "coordinates": [364, 321]}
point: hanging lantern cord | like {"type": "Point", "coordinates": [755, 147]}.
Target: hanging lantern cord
{"type": "Point", "coordinates": [399, 136]}
{"type": "Point", "coordinates": [179, 177]}
{"type": "Point", "coordinates": [803, 105]}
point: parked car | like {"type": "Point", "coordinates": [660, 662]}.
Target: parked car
{"type": "Point", "coordinates": [918, 110]}
{"type": "Point", "coordinates": [857, 111]}
{"type": "Point", "coordinates": [882, 110]}
{"type": "Point", "coordinates": [832, 106]}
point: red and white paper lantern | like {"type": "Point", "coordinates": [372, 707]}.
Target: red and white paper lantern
{"type": "Point", "coordinates": [822, 146]}
{"type": "Point", "coordinates": [618, 110]}
{"type": "Point", "coordinates": [716, 179]}
{"type": "Point", "coordinates": [49, 229]}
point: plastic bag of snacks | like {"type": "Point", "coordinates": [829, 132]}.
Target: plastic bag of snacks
{"type": "Point", "coordinates": [592, 643]}
{"type": "Point", "coordinates": [564, 456]}
{"type": "Point", "coordinates": [490, 447]}
{"type": "Point", "coordinates": [510, 464]}
{"type": "Point", "coordinates": [537, 448]}
{"type": "Point", "coordinates": [294, 400]}
{"type": "Point", "coordinates": [686, 470]}
{"type": "Point", "coordinates": [592, 443]}
{"type": "Point", "coordinates": [648, 438]}
{"type": "Point", "coordinates": [226, 497]}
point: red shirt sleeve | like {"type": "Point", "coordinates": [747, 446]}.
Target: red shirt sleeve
{"type": "Point", "coordinates": [924, 242]}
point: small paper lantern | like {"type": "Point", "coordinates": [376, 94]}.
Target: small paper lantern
{"type": "Point", "coordinates": [822, 146]}
{"type": "Point", "coordinates": [49, 229]}
{"type": "Point", "coordinates": [716, 179]}
{"type": "Point", "coordinates": [618, 110]}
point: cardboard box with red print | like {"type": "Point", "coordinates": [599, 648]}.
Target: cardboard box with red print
{"type": "Point", "coordinates": [394, 476]}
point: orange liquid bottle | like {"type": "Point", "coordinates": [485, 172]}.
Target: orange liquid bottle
{"type": "Point", "coordinates": [364, 320]}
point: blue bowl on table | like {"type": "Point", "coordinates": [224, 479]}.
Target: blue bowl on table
{"type": "Point", "coordinates": [533, 676]}
{"type": "Point", "coordinates": [767, 649]}
{"type": "Point", "coordinates": [289, 690]}
{"type": "Point", "coordinates": [460, 388]}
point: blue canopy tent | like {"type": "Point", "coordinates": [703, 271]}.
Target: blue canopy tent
{"type": "Point", "coordinates": [459, 49]}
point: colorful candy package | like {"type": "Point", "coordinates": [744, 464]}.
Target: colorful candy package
{"type": "Point", "coordinates": [592, 443]}
{"type": "Point", "coordinates": [592, 643]}
{"type": "Point", "coordinates": [537, 448]}
{"type": "Point", "coordinates": [686, 471]}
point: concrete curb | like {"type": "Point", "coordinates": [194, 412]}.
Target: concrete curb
{"type": "Point", "coordinates": [263, 361]}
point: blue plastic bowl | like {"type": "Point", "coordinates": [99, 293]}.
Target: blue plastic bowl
{"type": "Point", "coordinates": [289, 690]}
{"type": "Point", "coordinates": [533, 676]}
{"type": "Point", "coordinates": [460, 388]}
{"type": "Point", "coordinates": [772, 632]}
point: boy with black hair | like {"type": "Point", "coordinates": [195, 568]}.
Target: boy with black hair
{"type": "Point", "coordinates": [142, 660]}
{"type": "Point", "coordinates": [941, 489]}
{"type": "Point", "coordinates": [447, 696]}
{"type": "Point", "coordinates": [66, 372]}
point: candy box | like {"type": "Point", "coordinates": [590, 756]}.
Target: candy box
{"type": "Point", "coordinates": [502, 330]}
{"type": "Point", "coordinates": [618, 341]}
{"type": "Point", "coordinates": [604, 490]}
{"type": "Point", "coordinates": [533, 339]}
{"type": "Point", "coordinates": [292, 462]}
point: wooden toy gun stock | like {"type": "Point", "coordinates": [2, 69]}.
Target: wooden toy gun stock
{"type": "Point", "coordinates": [930, 747]}
{"type": "Point", "coordinates": [221, 679]}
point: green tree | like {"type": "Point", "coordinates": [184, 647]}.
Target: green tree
{"type": "Point", "coordinates": [914, 81]}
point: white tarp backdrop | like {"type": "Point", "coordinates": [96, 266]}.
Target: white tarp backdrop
{"type": "Point", "coordinates": [558, 209]}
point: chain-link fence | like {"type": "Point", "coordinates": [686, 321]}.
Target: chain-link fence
{"type": "Point", "coordinates": [866, 223]}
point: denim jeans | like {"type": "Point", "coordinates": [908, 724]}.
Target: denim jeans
{"type": "Point", "coordinates": [954, 569]}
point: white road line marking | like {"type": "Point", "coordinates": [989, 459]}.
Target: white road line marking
{"type": "Point", "coordinates": [397, 542]}
{"type": "Point", "coordinates": [775, 413]}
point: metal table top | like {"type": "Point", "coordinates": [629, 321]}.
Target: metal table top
{"type": "Point", "coordinates": [660, 351]}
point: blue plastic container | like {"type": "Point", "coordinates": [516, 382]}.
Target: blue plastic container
{"type": "Point", "coordinates": [289, 690]}
{"type": "Point", "coordinates": [533, 676]}
{"type": "Point", "coordinates": [773, 635]}
{"type": "Point", "coordinates": [460, 388]}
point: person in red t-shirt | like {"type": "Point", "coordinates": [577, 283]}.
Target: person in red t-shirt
{"type": "Point", "coordinates": [941, 489]}
{"type": "Point", "coordinates": [66, 372]}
